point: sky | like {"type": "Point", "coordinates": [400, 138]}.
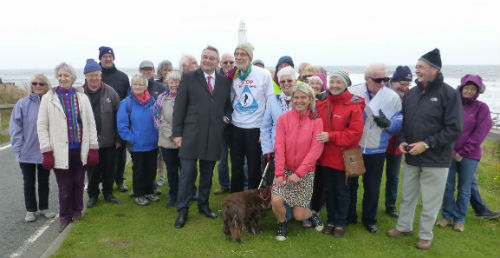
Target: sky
{"type": "Point", "coordinates": [41, 34]}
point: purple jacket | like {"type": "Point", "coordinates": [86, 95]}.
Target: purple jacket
{"type": "Point", "coordinates": [477, 123]}
{"type": "Point", "coordinates": [22, 130]}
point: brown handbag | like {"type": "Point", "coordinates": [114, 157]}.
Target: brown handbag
{"type": "Point", "coordinates": [353, 158]}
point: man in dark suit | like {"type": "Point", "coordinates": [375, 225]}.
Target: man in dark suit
{"type": "Point", "coordinates": [202, 108]}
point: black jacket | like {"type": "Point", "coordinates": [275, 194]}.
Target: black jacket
{"type": "Point", "coordinates": [117, 79]}
{"type": "Point", "coordinates": [435, 116]}
{"type": "Point", "coordinates": [155, 88]}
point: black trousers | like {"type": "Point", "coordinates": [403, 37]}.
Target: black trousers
{"type": "Point", "coordinates": [337, 195]}
{"type": "Point", "coordinates": [187, 180]}
{"type": "Point", "coordinates": [144, 171]}
{"type": "Point", "coordinates": [103, 172]}
{"type": "Point", "coordinates": [30, 176]}
{"type": "Point", "coordinates": [120, 159]}
{"type": "Point", "coordinates": [318, 196]}
{"type": "Point", "coordinates": [245, 143]}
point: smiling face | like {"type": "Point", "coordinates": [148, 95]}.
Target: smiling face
{"type": "Point", "coordinates": [93, 80]}
{"type": "Point", "coordinates": [469, 90]}
{"type": "Point", "coordinates": [148, 72]}
{"type": "Point", "coordinates": [336, 85]}
{"type": "Point", "coordinates": [242, 59]}
{"type": "Point", "coordinates": [64, 78]}
{"type": "Point", "coordinates": [425, 73]}
{"type": "Point", "coordinates": [301, 102]}
{"type": "Point", "coordinates": [39, 87]}
{"type": "Point", "coordinates": [173, 86]}
{"type": "Point", "coordinates": [376, 80]}
{"type": "Point", "coordinates": [138, 88]}
{"type": "Point", "coordinates": [107, 60]}
{"type": "Point", "coordinates": [209, 61]}
{"type": "Point", "coordinates": [287, 83]}
{"type": "Point", "coordinates": [316, 85]}
{"type": "Point", "coordinates": [401, 86]}
{"type": "Point", "coordinates": [227, 62]}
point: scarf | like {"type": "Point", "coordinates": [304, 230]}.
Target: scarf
{"type": "Point", "coordinates": [158, 107]}
{"type": "Point", "coordinates": [285, 102]}
{"type": "Point", "coordinates": [145, 98]}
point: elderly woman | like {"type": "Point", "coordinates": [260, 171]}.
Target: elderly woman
{"type": "Point", "coordinates": [136, 126]}
{"type": "Point", "coordinates": [342, 116]}
{"type": "Point", "coordinates": [296, 151]}
{"type": "Point", "coordinates": [163, 110]}
{"type": "Point", "coordinates": [68, 141]}
{"type": "Point", "coordinates": [164, 68]}
{"type": "Point", "coordinates": [24, 140]}
{"type": "Point", "coordinates": [467, 153]}
{"type": "Point", "coordinates": [317, 82]}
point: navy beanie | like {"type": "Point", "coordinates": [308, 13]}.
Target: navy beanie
{"type": "Point", "coordinates": [433, 58]}
{"type": "Point", "coordinates": [402, 73]}
{"type": "Point", "coordinates": [106, 50]}
{"type": "Point", "coordinates": [91, 66]}
{"type": "Point", "coordinates": [284, 59]}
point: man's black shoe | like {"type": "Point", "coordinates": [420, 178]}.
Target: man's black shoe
{"type": "Point", "coordinates": [122, 187]}
{"type": "Point", "coordinates": [110, 198]}
{"type": "Point", "coordinates": [92, 201]}
{"type": "Point", "coordinates": [209, 213]}
{"type": "Point", "coordinates": [391, 211]}
{"type": "Point", "coordinates": [181, 219]}
{"type": "Point", "coordinates": [372, 228]}
{"type": "Point", "coordinates": [170, 203]}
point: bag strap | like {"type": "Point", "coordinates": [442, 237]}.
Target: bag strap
{"type": "Point", "coordinates": [329, 115]}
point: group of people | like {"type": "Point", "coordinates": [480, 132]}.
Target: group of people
{"type": "Point", "coordinates": [295, 125]}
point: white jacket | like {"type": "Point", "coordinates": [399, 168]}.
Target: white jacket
{"type": "Point", "coordinates": [53, 129]}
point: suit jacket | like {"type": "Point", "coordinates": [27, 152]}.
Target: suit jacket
{"type": "Point", "coordinates": [198, 115]}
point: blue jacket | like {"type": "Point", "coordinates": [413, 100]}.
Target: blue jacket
{"type": "Point", "coordinates": [143, 136]}
{"type": "Point", "coordinates": [268, 126]}
{"type": "Point", "coordinates": [22, 130]}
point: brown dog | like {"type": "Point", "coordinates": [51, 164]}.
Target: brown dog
{"type": "Point", "coordinates": [243, 210]}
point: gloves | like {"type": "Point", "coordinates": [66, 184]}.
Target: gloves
{"type": "Point", "coordinates": [48, 160]}
{"type": "Point", "coordinates": [269, 156]}
{"type": "Point", "coordinates": [93, 157]}
{"type": "Point", "coordinates": [382, 120]}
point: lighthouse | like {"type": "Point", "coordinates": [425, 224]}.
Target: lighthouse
{"type": "Point", "coordinates": [242, 32]}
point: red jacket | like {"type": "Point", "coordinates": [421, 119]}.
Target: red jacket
{"type": "Point", "coordinates": [346, 111]}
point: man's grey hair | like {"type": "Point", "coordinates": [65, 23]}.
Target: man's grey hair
{"type": "Point", "coordinates": [373, 67]}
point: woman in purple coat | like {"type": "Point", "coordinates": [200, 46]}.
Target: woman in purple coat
{"type": "Point", "coordinates": [467, 153]}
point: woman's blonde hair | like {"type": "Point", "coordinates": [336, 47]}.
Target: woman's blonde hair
{"type": "Point", "coordinates": [306, 89]}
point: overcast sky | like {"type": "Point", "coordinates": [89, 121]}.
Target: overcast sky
{"type": "Point", "coordinates": [41, 34]}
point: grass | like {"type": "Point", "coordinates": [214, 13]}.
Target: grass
{"type": "Point", "coordinates": [127, 230]}
{"type": "Point", "coordinates": [9, 94]}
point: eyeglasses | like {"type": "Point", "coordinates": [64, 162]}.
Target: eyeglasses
{"type": "Point", "coordinates": [287, 81]}
{"type": "Point", "coordinates": [305, 76]}
{"type": "Point", "coordinates": [38, 83]}
{"type": "Point", "coordinates": [379, 80]}
{"type": "Point", "coordinates": [228, 62]}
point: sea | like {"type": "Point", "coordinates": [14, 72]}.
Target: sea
{"type": "Point", "coordinates": [452, 75]}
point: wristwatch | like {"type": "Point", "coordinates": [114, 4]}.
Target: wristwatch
{"type": "Point", "coordinates": [426, 145]}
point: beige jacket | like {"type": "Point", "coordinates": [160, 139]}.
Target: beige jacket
{"type": "Point", "coordinates": [53, 129]}
{"type": "Point", "coordinates": [165, 130]}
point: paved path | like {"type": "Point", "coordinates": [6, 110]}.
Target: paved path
{"type": "Point", "coordinates": [17, 237]}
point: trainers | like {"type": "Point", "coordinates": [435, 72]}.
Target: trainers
{"type": "Point", "coordinates": [160, 181]}
{"type": "Point", "coordinates": [392, 211]}
{"type": "Point", "coordinates": [316, 222]}
{"type": "Point", "coordinates": [30, 216]}
{"type": "Point", "coordinates": [443, 222]}
{"type": "Point", "coordinates": [282, 231]}
{"type": "Point", "coordinates": [62, 226]}
{"type": "Point", "coordinates": [152, 197]}
{"type": "Point", "coordinates": [306, 223]}
{"type": "Point", "coordinates": [46, 213]}
{"type": "Point", "coordinates": [338, 232]}
{"type": "Point", "coordinates": [459, 227]}
{"type": "Point", "coordinates": [221, 190]}
{"type": "Point", "coordinates": [131, 194]}
{"type": "Point", "coordinates": [122, 187]}
{"type": "Point", "coordinates": [141, 200]}
{"type": "Point", "coordinates": [328, 229]}
{"type": "Point", "coordinates": [488, 214]}
{"type": "Point", "coordinates": [396, 233]}
{"type": "Point", "coordinates": [424, 244]}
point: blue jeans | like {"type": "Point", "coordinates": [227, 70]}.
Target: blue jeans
{"type": "Point", "coordinates": [392, 165]}
{"type": "Point", "coordinates": [222, 166]}
{"type": "Point", "coordinates": [475, 197]}
{"type": "Point", "coordinates": [457, 209]}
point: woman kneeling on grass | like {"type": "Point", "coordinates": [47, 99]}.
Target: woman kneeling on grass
{"type": "Point", "coordinates": [296, 151]}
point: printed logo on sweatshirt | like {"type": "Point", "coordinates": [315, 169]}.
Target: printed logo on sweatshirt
{"type": "Point", "coordinates": [246, 103]}
{"type": "Point", "coordinates": [434, 99]}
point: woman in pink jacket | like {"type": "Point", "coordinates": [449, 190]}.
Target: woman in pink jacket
{"type": "Point", "coordinates": [296, 151]}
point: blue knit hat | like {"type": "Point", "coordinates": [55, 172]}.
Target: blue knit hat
{"type": "Point", "coordinates": [91, 66]}
{"type": "Point", "coordinates": [344, 76]}
{"type": "Point", "coordinates": [402, 73]}
{"type": "Point", "coordinates": [106, 50]}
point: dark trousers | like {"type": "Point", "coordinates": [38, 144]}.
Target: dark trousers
{"type": "Point", "coordinates": [120, 159]}
{"type": "Point", "coordinates": [71, 182]}
{"type": "Point", "coordinates": [318, 196]}
{"type": "Point", "coordinates": [144, 171]}
{"type": "Point", "coordinates": [30, 176]}
{"type": "Point", "coordinates": [103, 172]}
{"type": "Point", "coordinates": [392, 165]}
{"type": "Point", "coordinates": [172, 161]}
{"type": "Point", "coordinates": [374, 164]}
{"type": "Point", "coordinates": [187, 180]}
{"type": "Point", "coordinates": [245, 143]}
{"type": "Point", "coordinates": [269, 176]}
{"type": "Point", "coordinates": [337, 193]}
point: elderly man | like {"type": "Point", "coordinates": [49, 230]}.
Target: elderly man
{"type": "Point", "coordinates": [252, 86]}
{"type": "Point", "coordinates": [105, 102]}
{"type": "Point", "coordinates": [433, 120]}
{"type": "Point", "coordinates": [147, 69]}
{"type": "Point", "coordinates": [377, 131]}
{"type": "Point", "coordinates": [188, 64]}
{"type": "Point", "coordinates": [119, 81]}
{"type": "Point", "coordinates": [201, 109]}
{"type": "Point", "coordinates": [226, 63]}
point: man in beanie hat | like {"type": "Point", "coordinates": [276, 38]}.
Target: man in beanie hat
{"type": "Point", "coordinates": [252, 86]}
{"type": "Point", "coordinates": [283, 62]}
{"type": "Point", "coordinates": [400, 83]}
{"type": "Point", "coordinates": [432, 121]}
{"type": "Point", "coordinates": [378, 129]}
{"type": "Point", "coordinates": [105, 102]}
{"type": "Point", "coordinates": [119, 81]}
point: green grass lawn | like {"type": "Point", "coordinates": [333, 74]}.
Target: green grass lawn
{"type": "Point", "coordinates": [128, 230]}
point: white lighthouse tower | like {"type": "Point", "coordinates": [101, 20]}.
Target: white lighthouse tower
{"type": "Point", "coordinates": [242, 32]}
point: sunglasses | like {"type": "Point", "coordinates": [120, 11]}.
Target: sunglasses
{"type": "Point", "coordinates": [228, 62]}
{"type": "Point", "coordinates": [304, 77]}
{"type": "Point", "coordinates": [287, 81]}
{"type": "Point", "coordinates": [379, 80]}
{"type": "Point", "coordinates": [38, 83]}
